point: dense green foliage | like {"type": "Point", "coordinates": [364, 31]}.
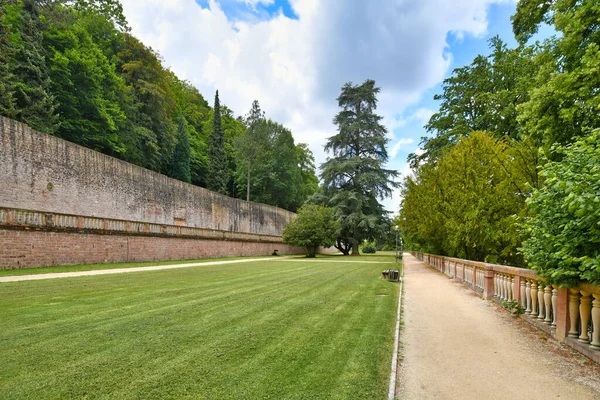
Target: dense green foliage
{"type": "Point", "coordinates": [369, 248]}
{"type": "Point", "coordinates": [355, 178]}
{"type": "Point", "coordinates": [248, 330]}
{"type": "Point", "coordinates": [563, 230]}
{"type": "Point", "coordinates": [465, 204]}
{"type": "Point", "coordinates": [271, 168]}
{"type": "Point", "coordinates": [483, 96]}
{"type": "Point", "coordinates": [314, 226]}
{"type": "Point", "coordinates": [71, 68]}
{"type": "Point", "coordinates": [28, 80]}
{"type": "Point", "coordinates": [538, 105]}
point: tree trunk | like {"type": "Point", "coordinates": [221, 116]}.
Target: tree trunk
{"type": "Point", "coordinates": [342, 246]}
{"type": "Point", "coordinates": [355, 251]}
{"type": "Point", "coordinates": [248, 183]}
{"type": "Point", "coordinates": [311, 251]}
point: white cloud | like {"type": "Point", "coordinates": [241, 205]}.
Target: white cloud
{"type": "Point", "coordinates": [296, 67]}
{"type": "Point", "coordinates": [423, 115]}
{"type": "Point", "coordinates": [254, 3]}
{"type": "Point", "coordinates": [399, 145]}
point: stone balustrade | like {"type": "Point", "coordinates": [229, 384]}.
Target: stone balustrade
{"type": "Point", "coordinates": [571, 315]}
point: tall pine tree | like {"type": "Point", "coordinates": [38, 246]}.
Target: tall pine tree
{"type": "Point", "coordinates": [354, 177]}
{"type": "Point", "coordinates": [217, 158]}
{"type": "Point", "coordinates": [180, 165]}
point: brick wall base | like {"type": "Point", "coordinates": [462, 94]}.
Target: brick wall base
{"type": "Point", "coordinates": [29, 249]}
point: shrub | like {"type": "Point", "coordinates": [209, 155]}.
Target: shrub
{"type": "Point", "coordinates": [314, 226]}
{"type": "Point", "coordinates": [369, 248]}
{"type": "Point", "coordinates": [564, 223]}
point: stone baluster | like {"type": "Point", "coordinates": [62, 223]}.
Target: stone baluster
{"type": "Point", "coordinates": [534, 298]}
{"type": "Point", "coordinates": [501, 286]}
{"type": "Point", "coordinates": [585, 307]}
{"type": "Point", "coordinates": [573, 312]}
{"type": "Point", "coordinates": [554, 304]}
{"type": "Point", "coordinates": [522, 292]}
{"type": "Point", "coordinates": [548, 304]}
{"type": "Point", "coordinates": [528, 297]}
{"type": "Point", "coordinates": [481, 279]}
{"type": "Point", "coordinates": [511, 286]}
{"type": "Point", "coordinates": [595, 345]}
{"type": "Point", "coordinates": [505, 286]}
{"type": "Point", "coordinates": [540, 301]}
{"type": "Point", "coordinates": [495, 285]}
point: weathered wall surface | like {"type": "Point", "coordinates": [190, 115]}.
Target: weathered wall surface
{"type": "Point", "coordinates": [26, 249]}
{"type": "Point", "coordinates": [44, 173]}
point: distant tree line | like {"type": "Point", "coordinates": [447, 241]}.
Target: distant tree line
{"type": "Point", "coordinates": [509, 173]}
{"type": "Point", "coordinates": [71, 68]}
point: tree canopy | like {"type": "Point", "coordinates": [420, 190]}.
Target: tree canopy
{"type": "Point", "coordinates": [509, 173]}
{"type": "Point", "coordinates": [72, 68]}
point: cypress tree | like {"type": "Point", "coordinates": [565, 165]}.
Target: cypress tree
{"type": "Point", "coordinates": [180, 165]}
{"type": "Point", "coordinates": [217, 158]}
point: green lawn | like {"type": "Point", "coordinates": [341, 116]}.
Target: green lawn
{"type": "Point", "coordinates": [257, 330]}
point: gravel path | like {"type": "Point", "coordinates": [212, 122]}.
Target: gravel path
{"type": "Point", "coordinates": [457, 346]}
{"type": "Point", "coordinates": [35, 277]}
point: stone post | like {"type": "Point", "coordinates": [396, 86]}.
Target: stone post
{"type": "Point", "coordinates": [488, 284]}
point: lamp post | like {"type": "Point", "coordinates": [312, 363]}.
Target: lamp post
{"type": "Point", "coordinates": [401, 248]}
{"type": "Point", "coordinates": [396, 228]}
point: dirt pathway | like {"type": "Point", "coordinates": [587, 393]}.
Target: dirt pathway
{"type": "Point", "coordinates": [457, 346]}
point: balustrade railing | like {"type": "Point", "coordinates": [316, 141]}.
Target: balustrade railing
{"type": "Point", "coordinates": [571, 315]}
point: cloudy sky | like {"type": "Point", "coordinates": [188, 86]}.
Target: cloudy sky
{"type": "Point", "coordinates": [293, 56]}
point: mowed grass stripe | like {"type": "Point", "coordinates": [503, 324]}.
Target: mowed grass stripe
{"type": "Point", "coordinates": [257, 330]}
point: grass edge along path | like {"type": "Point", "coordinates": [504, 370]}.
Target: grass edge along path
{"type": "Point", "coordinates": [258, 329]}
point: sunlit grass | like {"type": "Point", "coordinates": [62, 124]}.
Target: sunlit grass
{"type": "Point", "coordinates": [265, 329]}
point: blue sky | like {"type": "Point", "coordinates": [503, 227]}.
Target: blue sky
{"type": "Point", "coordinates": [464, 48]}
{"type": "Point", "coordinates": [241, 10]}
{"type": "Point", "coordinates": [294, 56]}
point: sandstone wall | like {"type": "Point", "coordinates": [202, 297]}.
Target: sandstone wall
{"type": "Point", "coordinates": [44, 173]}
